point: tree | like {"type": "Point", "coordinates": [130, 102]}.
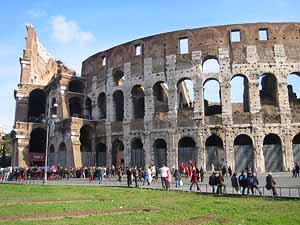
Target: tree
{"type": "Point", "coordinates": [6, 146]}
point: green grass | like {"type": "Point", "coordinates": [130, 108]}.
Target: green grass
{"type": "Point", "coordinates": [172, 207]}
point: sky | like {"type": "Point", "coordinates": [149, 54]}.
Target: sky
{"type": "Point", "coordinates": [73, 30]}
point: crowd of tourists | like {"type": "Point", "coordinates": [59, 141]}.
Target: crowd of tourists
{"type": "Point", "coordinates": [243, 184]}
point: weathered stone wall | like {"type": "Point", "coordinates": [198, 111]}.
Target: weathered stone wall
{"type": "Point", "coordinates": [161, 61]}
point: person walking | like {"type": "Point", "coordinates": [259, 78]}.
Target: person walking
{"type": "Point", "coordinates": [212, 181]}
{"type": "Point", "coordinates": [235, 183]}
{"type": "Point", "coordinates": [129, 175]}
{"type": "Point", "coordinates": [229, 171]}
{"type": "Point", "coordinates": [169, 179]}
{"type": "Point", "coordinates": [163, 172]}
{"type": "Point", "coordinates": [201, 174]}
{"type": "Point", "coordinates": [243, 182]}
{"type": "Point", "coordinates": [252, 183]}
{"type": "Point", "coordinates": [297, 170]}
{"type": "Point", "coordinates": [220, 184]}
{"type": "Point", "coordinates": [177, 178]}
{"type": "Point", "coordinates": [194, 180]}
{"type": "Point", "coordinates": [270, 184]}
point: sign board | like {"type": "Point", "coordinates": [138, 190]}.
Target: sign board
{"type": "Point", "coordinates": [37, 157]}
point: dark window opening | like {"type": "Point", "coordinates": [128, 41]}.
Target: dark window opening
{"type": "Point", "coordinates": [102, 105]}
{"type": "Point", "coordinates": [268, 90]}
{"type": "Point", "coordinates": [213, 140]}
{"type": "Point", "coordinates": [138, 101]}
{"type": "Point", "coordinates": [76, 86]}
{"type": "Point", "coordinates": [101, 154]}
{"type": "Point", "coordinates": [118, 153]}
{"type": "Point", "coordinates": [118, 103]}
{"type": "Point", "coordinates": [37, 106]}
{"type": "Point", "coordinates": [160, 152]}
{"type": "Point", "coordinates": [186, 152]}
{"type": "Point", "coordinates": [137, 153]}
{"type": "Point", "coordinates": [37, 147]}
{"type": "Point", "coordinates": [86, 139]}
{"type": "Point", "coordinates": [75, 107]}
{"type": "Point", "coordinates": [272, 139]}
{"type": "Point", "coordinates": [242, 139]}
{"type": "Point", "coordinates": [161, 93]}
{"type": "Point", "coordinates": [88, 109]}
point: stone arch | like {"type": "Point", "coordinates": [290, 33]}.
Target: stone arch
{"type": "Point", "coordinates": [215, 153]}
{"type": "Point", "coordinates": [118, 105]}
{"type": "Point", "coordinates": [212, 97]}
{"type": "Point", "coordinates": [101, 154]}
{"type": "Point", "coordinates": [137, 153]}
{"type": "Point", "coordinates": [161, 95]}
{"type": "Point", "coordinates": [273, 155]}
{"type": "Point", "coordinates": [293, 89]}
{"type": "Point", "coordinates": [185, 94]}
{"type": "Point", "coordinates": [160, 152]}
{"type": "Point", "coordinates": [36, 106]}
{"type": "Point", "coordinates": [211, 65]}
{"type": "Point", "coordinates": [119, 78]}
{"type": "Point", "coordinates": [88, 108]}
{"type": "Point", "coordinates": [243, 153]}
{"type": "Point", "coordinates": [240, 97]}
{"type": "Point", "coordinates": [187, 151]}
{"type": "Point", "coordinates": [37, 147]}
{"type": "Point", "coordinates": [86, 141]}
{"type": "Point", "coordinates": [76, 86]}
{"type": "Point", "coordinates": [268, 89]}
{"type": "Point", "coordinates": [138, 101]}
{"type": "Point", "coordinates": [296, 148]}
{"type": "Point", "coordinates": [101, 102]}
{"type": "Point", "coordinates": [118, 155]}
{"type": "Point", "coordinates": [51, 155]}
{"type": "Point", "coordinates": [62, 154]}
{"type": "Point", "coordinates": [75, 107]}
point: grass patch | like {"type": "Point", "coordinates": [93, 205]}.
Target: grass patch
{"type": "Point", "coordinates": [94, 204]}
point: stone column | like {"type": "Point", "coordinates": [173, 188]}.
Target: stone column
{"type": "Point", "coordinates": [283, 100]}
{"type": "Point", "coordinates": [147, 148]}
{"type": "Point", "coordinates": [254, 101]}
{"type": "Point", "coordinates": [172, 151]}
{"type": "Point", "coordinates": [226, 101]}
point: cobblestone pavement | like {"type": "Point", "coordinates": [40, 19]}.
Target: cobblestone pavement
{"type": "Point", "coordinates": [286, 185]}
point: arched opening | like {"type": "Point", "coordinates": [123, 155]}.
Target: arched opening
{"type": "Point", "coordinates": [75, 107]}
{"type": "Point", "coordinates": [243, 153]}
{"type": "Point", "coordinates": [239, 94]}
{"type": "Point", "coordinates": [296, 149]}
{"type": "Point", "coordinates": [86, 136]}
{"type": "Point", "coordinates": [187, 151]}
{"type": "Point", "coordinates": [160, 152]}
{"type": "Point", "coordinates": [161, 94]}
{"type": "Point", "coordinates": [51, 155]}
{"type": "Point", "coordinates": [101, 154]}
{"type": "Point", "coordinates": [36, 106]}
{"type": "Point", "coordinates": [101, 102]}
{"type": "Point", "coordinates": [211, 65]}
{"type": "Point", "coordinates": [212, 97]}
{"type": "Point", "coordinates": [215, 153]}
{"type": "Point", "coordinates": [37, 147]}
{"type": "Point", "coordinates": [138, 102]}
{"type": "Point", "coordinates": [118, 103]}
{"type": "Point", "coordinates": [76, 86]}
{"type": "Point", "coordinates": [88, 109]}
{"type": "Point", "coordinates": [268, 90]}
{"type": "Point", "coordinates": [137, 153]}
{"type": "Point", "coordinates": [293, 88]}
{"type": "Point", "coordinates": [118, 154]}
{"type": "Point", "coordinates": [119, 78]}
{"type": "Point", "coordinates": [62, 154]}
{"type": "Point", "coordinates": [185, 94]}
{"type": "Point", "coordinates": [272, 150]}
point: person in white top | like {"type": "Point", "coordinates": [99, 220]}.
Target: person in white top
{"type": "Point", "coordinates": [163, 171]}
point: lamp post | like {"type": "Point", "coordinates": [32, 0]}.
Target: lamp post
{"type": "Point", "coordinates": [49, 121]}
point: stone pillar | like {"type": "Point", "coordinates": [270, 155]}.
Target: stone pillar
{"type": "Point", "coordinates": [172, 84]}
{"type": "Point", "coordinates": [23, 151]}
{"type": "Point", "coordinates": [147, 148]}
{"type": "Point", "coordinates": [108, 144]}
{"type": "Point", "coordinates": [259, 160]}
{"type": "Point", "coordinates": [226, 102]}
{"type": "Point", "coordinates": [198, 88]}
{"type": "Point", "coordinates": [172, 151]}
{"type": "Point", "coordinates": [283, 100]}
{"type": "Point", "coordinates": [228, 146]}
{"type": "Point", "coordinates": [254, 101]}
{"type": "Point", "coordinates": [128, 110]}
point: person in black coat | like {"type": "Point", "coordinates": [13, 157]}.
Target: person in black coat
{"type": "Point", "coordinates": [243, 182]}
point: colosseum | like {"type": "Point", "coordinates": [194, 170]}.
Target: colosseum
{"type": "Point", "coordinates": [144, 102]}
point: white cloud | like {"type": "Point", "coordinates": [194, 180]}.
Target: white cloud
{"type": "Point", "coordinates": [66, 31]}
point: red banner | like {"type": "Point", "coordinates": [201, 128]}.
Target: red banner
{"type": "Point", "coordinates": [37, 157]}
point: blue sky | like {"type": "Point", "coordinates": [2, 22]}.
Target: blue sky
{"type": "Point", "coordinates": [98, 25]}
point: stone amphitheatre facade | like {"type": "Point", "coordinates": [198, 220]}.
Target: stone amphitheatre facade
{"type": "Point", "coordinates": [143, 102]}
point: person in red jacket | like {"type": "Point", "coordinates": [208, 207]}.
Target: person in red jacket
{"type": "Point", "coordinates": [194, 180]}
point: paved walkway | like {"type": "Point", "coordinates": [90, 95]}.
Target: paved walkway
{"type": "Point", "coordinates": [286, 185]}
